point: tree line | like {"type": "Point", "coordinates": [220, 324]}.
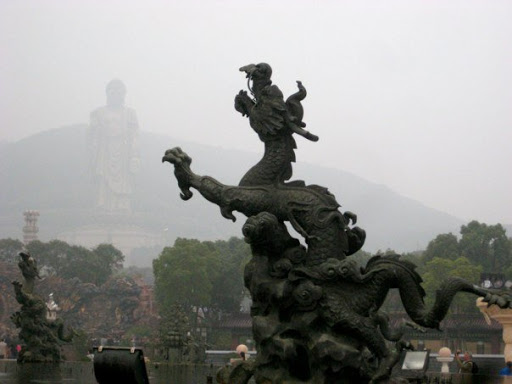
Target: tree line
{"type": "Point", "coordinates": [478, 248]}
{"type": "Point", "coordinates": [206, 277]}
{"type": "Point", "coordinates": [67, 261]}
{"type": "Point", "coordinates": [209, 275]}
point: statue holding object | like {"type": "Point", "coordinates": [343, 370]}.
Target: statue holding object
{"type": "Point", "coordinates": [316, 314]}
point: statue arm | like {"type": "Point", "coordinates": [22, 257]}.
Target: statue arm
{"type": "Point", "coordinates": [133, 127]}
{"type": "Point", "coordinates": [460, 364]}
{"type": "Point", "coordinates": [93, 139]}
{"type": "Point", "coordinates": [243, 103]}
{"type": "Point", "coordinates": [92, 132]}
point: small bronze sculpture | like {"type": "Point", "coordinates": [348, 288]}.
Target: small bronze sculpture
{"type": "Point", "coordinates": [315, 313]}
{"type": "Point", "coordinates": [41, 335]}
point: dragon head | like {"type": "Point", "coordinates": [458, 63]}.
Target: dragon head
{"type": "Point", "coordinates": [269, 235]}
{"type": "Point", "coordinates": [259, 74]}
{"type": "Point", "coordinates": [261, 71]}
{"type": "Point", "coordinates": [261, 228]}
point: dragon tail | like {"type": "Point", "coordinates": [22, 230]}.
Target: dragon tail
{"type": "Point", "coordinates": [383, 262]}
{"type": "Point", "coordinates": [294, 106]}
{"type": "Point", "coordinates": [444, 297]}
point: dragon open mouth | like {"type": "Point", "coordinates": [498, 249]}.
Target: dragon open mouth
{"type": "Point", "coordinates": [249, 70]}
{"type": "Point", "coordinates": [249, 78]}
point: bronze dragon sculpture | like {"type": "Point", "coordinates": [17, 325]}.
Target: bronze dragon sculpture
{"type": "Point", "coordinates": [41, 337]}
{"type": "Point", "coordinates": [316, 314]}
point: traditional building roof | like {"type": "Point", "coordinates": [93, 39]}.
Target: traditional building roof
{"type": "Point", "coordinates": [461, 323]}
{"type": "Point", "coordinates": [236, 321]}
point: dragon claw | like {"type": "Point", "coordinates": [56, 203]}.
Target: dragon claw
{"type": "Point", "coordinates": [227, 213]}
{"type": "Point", "coordinates": [350, 216]}
{"type": "Point", "coordinates": [176, 156]}
{"type": "Point", "coordinates": [415, 326]}
{"type": "Point", "coordinates": [502, 300]}
{"type": "Point", "coordinates": [181, 162]}
{"type": "Point", "coordinates": [186, 195]}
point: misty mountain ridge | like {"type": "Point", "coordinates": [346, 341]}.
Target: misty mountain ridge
{"type": "Point", "coordinates": [48, 172]}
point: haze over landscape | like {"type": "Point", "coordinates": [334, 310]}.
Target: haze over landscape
{"type": "Point", "coordinates": [413, 95]}
{"type": "Point", "coordinates": [391, 220]}
{"type": "Point", "coordinates": [174, 208]}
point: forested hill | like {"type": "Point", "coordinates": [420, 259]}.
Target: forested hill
{"type": "Point", "coordinates": [48, 172]}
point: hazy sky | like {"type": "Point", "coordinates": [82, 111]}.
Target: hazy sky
{"type": "Point", "coordinates": [416, 95]}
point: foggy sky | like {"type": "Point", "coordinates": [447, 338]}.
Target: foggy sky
{"type": "Point", "coordinates": [415, 95]}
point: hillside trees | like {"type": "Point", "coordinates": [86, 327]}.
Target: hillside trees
{"type": "Point", "coordinates": [486, 245]}
{"type": "Point", "coordinates": [9, 249]}
{"type": "Point", "coordinates": [228, 285]}
{"type": "Point", "coordinates": [68, 261]}
{"type": "Point", "coordinates": [201, 275]}
{"type": "Point", "coordinates": [481, 248]}
{"type": "Point", "coordinates": [445, 246]}
{"type": "Point", "coordinates": [482, 244]}
{"type": "Point", "coordinates": [110, 259]}
{"type": "Point", "coordinates": [183, 273]}
{"type": "Point", "coordinates": [440, 269]}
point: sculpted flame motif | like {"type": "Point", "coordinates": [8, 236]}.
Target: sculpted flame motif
{"type": "Point", "coordinates": [315, 313]}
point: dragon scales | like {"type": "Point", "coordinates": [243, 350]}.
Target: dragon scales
{"type": "Point", "coordinates": [315, 313]}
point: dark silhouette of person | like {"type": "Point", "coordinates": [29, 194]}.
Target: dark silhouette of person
{"type": "Point", "coordinates": [507, 371]}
